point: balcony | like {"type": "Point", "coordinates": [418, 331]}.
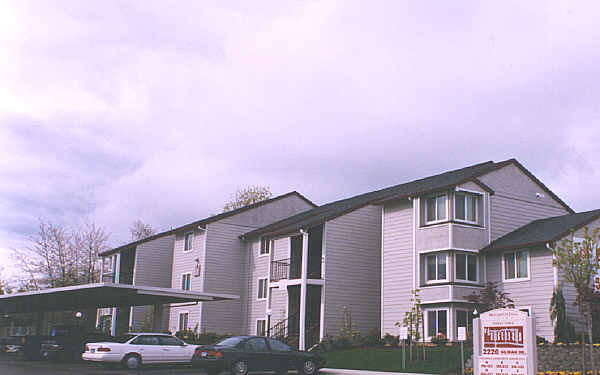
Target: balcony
{"type": "Point", "coordinates": [291, 269]}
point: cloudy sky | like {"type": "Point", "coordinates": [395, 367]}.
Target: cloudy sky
{"type": "Point", "coordinates": [118, 110]}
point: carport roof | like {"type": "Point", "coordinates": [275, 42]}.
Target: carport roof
{"type": "Point", "coordinates": [91, 296]}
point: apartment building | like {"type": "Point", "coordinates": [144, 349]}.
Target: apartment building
{"type": "Point", "coordinates": [297, 267]}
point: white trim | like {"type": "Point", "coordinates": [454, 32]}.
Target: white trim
{"type": "Point", "coordinates": [203, 276]}
{"type": "Point", "coordinates": [470, 226]}
{"type": "Point", "coordinates": [258, 288]}
{"type": "Point", "coordinates": [382, 283]}
{"type": "Point", "coordinates": [516, 279]}
{"type": "Point", "coordinates": [489, 217]}
{"type": "Point", "coordinates": [185, 241]}
{"type": "Point", "coordinates": [303, 291]}
{"type": "Point", "coordinates": [269, 241]}
{"type": "Point", "coordinates": [467, 268]}
{"type": "Point", "coordinates": [459, 189]}
{"type": "Point", "coordinates": [416, 266]}
{"type": "Point", "coordinates": [449, 249]}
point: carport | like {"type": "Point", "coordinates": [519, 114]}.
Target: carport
{"type": "Point", "coordinates": [100, 295]}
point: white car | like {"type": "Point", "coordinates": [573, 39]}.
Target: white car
{"type": "Point", "coordinates": [134, 349]}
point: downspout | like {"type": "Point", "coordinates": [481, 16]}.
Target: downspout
{"type": "Point", "coordinates": [554, 268]}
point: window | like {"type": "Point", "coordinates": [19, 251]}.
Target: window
{"type": "Point", "coordinates": [197, 267]}
{"type": "Point", "coordinates": [436, 267]}
{"type": "Point", "coordinates": [436, 208]}
{"type": "Point", "coordinates": [466, 267]}
{"type": "Point", "coordinates": [186, 280]}
{"type": "Point", "coordinates": [262, 288]}
{"type": "Point", "coordinates": [183, 321]}
{"type": "Point", "coordinates": [279, 346]}
{"type": "Point", "coordinates": [170, 341]}
{"type": "Point", "coordinates": [188, 241]}
{"type": "Point", "coordinates": [437, 323]}
{"type": "Point", "coordinates": [146, 340]}
{"type": "Point", "coordinates": [255, 345]}
{"type": "Point", "coordinates": [261, 327]}
{"type": "Point", "coordinates": [265, 246]}
{"type": "Point", "coordinates": [516, 265]}
{"type": "Point", "coordinates": [464, 318]}
{"type": "Point", "coordinates": [466, 207]}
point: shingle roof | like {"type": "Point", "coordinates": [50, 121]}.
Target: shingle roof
{"type": "Point", "coordinates": [206, 221]}
{"type": "Point", "coordinates": [542, 231]}
{"type": "Point", "coordinates": [332, 210]}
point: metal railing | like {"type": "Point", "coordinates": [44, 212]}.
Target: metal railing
{"type": "Point", "coordinates": [291, 268]}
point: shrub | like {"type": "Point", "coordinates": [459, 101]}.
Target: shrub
{"type": "Point", "coordinates": [390, 340]}
{"type": "Point", "coordinates": [439, 340]}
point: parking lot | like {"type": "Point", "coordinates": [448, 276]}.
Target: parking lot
{"type": "Point", "coordinates": [17, 366]}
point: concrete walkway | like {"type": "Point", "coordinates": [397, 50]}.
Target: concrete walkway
{"type": "Point", "coordinates": [339, 371]}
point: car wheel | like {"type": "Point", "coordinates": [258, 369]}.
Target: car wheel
{"type": "Point", "coordinates": [132, 361]}
{"type": "Point", "coordinates": [239, 368]}
{"type": "Point", "coordinates": [308, 367]}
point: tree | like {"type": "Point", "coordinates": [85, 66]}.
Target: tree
{"type": "Point", "coordinates": [413, 321]}
{"type": "Point", "coordinates": [578, 262]}
{"type": "Point", "coordinates": [490, 298]}
{"type": "Point", "coordinates": [60, 257]}
{"type": "Point", "coordinates": [139, 230]}
{"type": "Point", "coordinates": [563, 329]}
{"type": "Point", "coordinates": [248, 195]}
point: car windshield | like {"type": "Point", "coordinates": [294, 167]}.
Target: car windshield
{"type": "Point", "coordinates": [122, 339]}
{"type": "Point", "coordinates": [231, 341]}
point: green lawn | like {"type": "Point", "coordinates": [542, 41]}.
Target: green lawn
{"type": "Point", "coordinates": [439, 360]}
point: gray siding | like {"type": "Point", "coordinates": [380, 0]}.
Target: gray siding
{"type": "Point", "coordinates": [398, 269]}
{"type": "Point", "coordinates": [433, 237]}
{"type": "Point", "coordinates": [535, 293]}
{"type": "Point", "coordinates": [434, 293]}
{"type": "Point", "coordinates": [153, 267]}
{"type": "Point", "coordinates": [259, 269]}
{"type": "Point", "coordinates": [515, 203]}
{"type": "Point", "coordinates": [353, 269]}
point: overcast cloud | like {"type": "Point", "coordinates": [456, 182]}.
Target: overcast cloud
{"type": "Point", "coordinates": [121, 110]}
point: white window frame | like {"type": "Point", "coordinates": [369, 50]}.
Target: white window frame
{"type": "Point", "coordinates": [469, 315]}
{"type": "Point", "coordinates": [185, 242]}
{"type": "Point", "coordinates": [466, 267]}
{"type": "Point", "coordinates": [516, 279]}
{"type": "Point", "coordinates": [477, 197]}
{"type": "Point", "coordinates": [189, 274]}
{"type": "Point", "coordinates": [187, 320]}
{"type": "Point", "coordinates": [448, 327]}
{"type": "Point", "coordinates": [435, 196]}
{"type": "Point", "coordinates": [436, 281]}
{"type": "Point", "coordinates": [265, 289]}
{"type": "Point", "coordinates": [265, 327]}
{"type": "Point", "coordinates": [269, 245]}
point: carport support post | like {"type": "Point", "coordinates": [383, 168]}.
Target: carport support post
{"type": "Point", "coordinates": [303, 287]}
{"type": "Point", "coordinates": [157, 318]}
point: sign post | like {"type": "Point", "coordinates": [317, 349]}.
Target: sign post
{"type": "Point", "coordinates": [504, 343]}
{"type": "Point", "coordinates": [403, 335]}
{"type": "Point", "coordinates": [462, 336]}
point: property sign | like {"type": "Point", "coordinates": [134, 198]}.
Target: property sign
{"type": "Point", "coordinates": [462, 333]}
{"type": "Point", "coordinates": [403, 334]}
{"type": "Point", "coordinates": [506, 343]}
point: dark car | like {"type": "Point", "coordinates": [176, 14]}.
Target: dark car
{"type": "Point", "coordinates": [242, 354]}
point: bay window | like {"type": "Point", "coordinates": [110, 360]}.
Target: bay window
{"type": "Point", "coordinates": [436, 267]}
{"type": "Point", "coordinates": [466, 267]}
{"type": "Point", "coordinates": [437, 323]}
{"type": "Point", "coordinates": [466, 207]}
{"type": "Point", "coordinates": [436, 208]}
{"type": "Point", "coordinates": [516, 265]}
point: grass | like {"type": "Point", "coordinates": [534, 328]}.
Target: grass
{"type": "Point", "coordinates": [440, 360]}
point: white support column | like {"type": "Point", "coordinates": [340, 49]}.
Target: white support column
{"type": "Point", "coordinates": [303, 287]}
{"type": "Point", "coordinates": [117, 273]}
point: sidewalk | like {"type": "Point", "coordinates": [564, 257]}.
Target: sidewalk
{"type": "Point", "coordinates": [336, 371]}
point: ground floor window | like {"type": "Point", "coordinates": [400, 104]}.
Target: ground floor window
{"type": "Point", "coordinates": [183, 321]}
{"type": "Point", "coordinates": [261, 327]}
{"type": "Point", "coordinates": [437, 323]}
{"type": "Point", "coordinates": [464, 318]}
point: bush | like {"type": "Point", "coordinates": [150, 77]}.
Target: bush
{"type": "Point", "coordinates": [206, 338]}
{"type": "Point", "coordinates": [390, 340]}
{"type": "Point", "coordinates": [439, 340]}
{"type": "Point", "coordinates": [372, 339]}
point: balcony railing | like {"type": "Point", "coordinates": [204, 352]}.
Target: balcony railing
{"type": "Point", "coordinates": [291, 269]}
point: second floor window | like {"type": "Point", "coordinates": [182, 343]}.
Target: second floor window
{"type": "Point", "coordinates": [436, 208]}
{"type": "Point", "coordinates": [516, 265]}
{"type": "Point", "coordinates": [262, 288]}
{"type": "Point", "coordinates": [265, 246]}
{"type": "Point", "coordinates": [186, 280]}
{"type": "Point", "coordinates": [436, 267]}
{"type": "Point", "coordinates": [466, 267]}
{"type": "Point", "coordinates": [188, 241]}
{"type": "Point", "coordinates": [465, 207]}
{"type": "Point", "coordinates": [183, 321]}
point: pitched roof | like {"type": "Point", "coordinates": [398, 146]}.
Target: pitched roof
{"type": "Point", "coordinates": [332, 210]}
{"type": "Point", "coordinates": [207, 220]}
{"type": "Point", "coordinates": [542, 231]}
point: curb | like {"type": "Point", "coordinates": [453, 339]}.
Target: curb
{"type": "Point", "coordinates": [338, 371]}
